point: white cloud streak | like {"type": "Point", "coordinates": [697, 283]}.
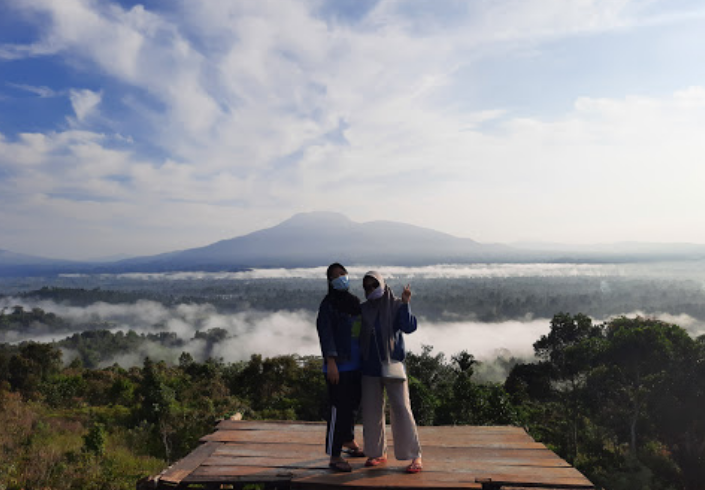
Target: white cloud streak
{"type": "Point", "coordinates": [43, 92]}
{"type": "Point", "coordinates": [439, 271]}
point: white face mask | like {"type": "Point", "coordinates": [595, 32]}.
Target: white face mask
{"type": "Point", "coordinates": [377, 293]}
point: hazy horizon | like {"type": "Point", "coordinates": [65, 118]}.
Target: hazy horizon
{"type": "Point", "coordinates": [593, 247]}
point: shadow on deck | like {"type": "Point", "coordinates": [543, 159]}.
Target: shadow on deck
{"type": "Point", "coordinates": [290, 455]}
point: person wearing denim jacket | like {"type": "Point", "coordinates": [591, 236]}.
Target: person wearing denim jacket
{"type": "Point", "coordinates": [384, 321]}
{"type": "Point", "coordinates": [338, 324]}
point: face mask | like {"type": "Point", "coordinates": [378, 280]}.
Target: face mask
{"type": "Point", "coordinates": [341, 283]}
{"type": "Point", "coordinates": [377, 293]}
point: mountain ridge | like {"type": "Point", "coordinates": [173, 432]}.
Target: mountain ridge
{"type": "Point", "coordinates": [313, 238]}
{"type": "Point", "coordinates": [318, 238]}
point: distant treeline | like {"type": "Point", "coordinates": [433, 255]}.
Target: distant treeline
{"type": "Point", "coordinates": [622, 401]}
{"type": "Point", "coordinates": [445, 299]}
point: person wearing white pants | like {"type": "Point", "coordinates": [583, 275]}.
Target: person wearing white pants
{"type": "Point", "coordinates": [384, 320]}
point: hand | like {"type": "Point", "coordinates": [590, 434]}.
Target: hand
{"type": "Point", "coordinates": [333, 375]}
{"type": "Point", "coordinates": [406, 295]}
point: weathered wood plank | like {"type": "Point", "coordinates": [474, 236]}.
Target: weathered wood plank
{"type": "Point", "coordinates": [316, 462]}
{"type": "Point", "coordinates": [498, 466]}
{"type": "Point", "coordinates": [288, 425]}
{"type": "Point", "coordinates": [252, 473]}
{"type": "Point", "coordinates": [231, 453]}
{"type": "Point", "coordinates": [395, 477]}
{"type": "Point", "coordinates": [182, 468]}
{"type": "Point", "coordinates": [444, 440]}
{"type": "Point", "coordinates": [399, 481]}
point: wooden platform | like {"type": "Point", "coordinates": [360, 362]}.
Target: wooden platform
{"type": "Point", "coordinates": [282, 455]}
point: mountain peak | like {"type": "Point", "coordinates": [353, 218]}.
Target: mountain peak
{"type": "Point", "coordinates": [317, 218]}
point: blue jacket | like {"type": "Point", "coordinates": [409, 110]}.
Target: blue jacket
{"type": "Point", "coordinates": [336, 331]}
{"type": "Point", "coordinates": [405, 322]}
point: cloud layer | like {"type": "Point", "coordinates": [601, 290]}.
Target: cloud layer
{"type": "Point", "coordinates": [285, 332]}
{"type": "Point", "coordinates": [438, 271]}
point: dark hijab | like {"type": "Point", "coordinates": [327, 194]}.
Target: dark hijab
{"type": "Point", "coordinates": [343, 301]}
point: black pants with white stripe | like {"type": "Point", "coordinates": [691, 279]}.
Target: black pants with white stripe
{"type": "Point", "coordinates": [344, 401]}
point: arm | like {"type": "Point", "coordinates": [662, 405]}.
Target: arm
{"type": "Point", "coordinates": [325, 332]}
{"type": "Point", "coordinates": [327, 340]}
{"type": "Point", "coordinates": [405, 320]}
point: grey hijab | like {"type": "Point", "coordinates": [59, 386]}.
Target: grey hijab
{"type": "Point", "coordinates": [384, 308]}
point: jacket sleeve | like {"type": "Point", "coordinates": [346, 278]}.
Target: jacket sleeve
{"type": "Point", "coordinates": [324, 325]}
{"type": "Point", "coordinates": [405, 320]}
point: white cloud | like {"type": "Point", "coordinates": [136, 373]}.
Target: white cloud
{"type": "Point", "coordinates": [439, 271]}
{"type": "Point", "coordinates": [43, 92]}
{"type": "Point", "coordinates": [480, 339]}
{"type": "Point", "coordinates": [84, 102]}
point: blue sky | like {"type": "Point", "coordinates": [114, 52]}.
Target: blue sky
{"type": "Point", "coordinates": [140, 128]}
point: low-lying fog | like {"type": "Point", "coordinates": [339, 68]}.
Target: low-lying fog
{"type": "Point", "coordinates": [486, 309]}
{"type": "Point", "coordinates": [683, 270]}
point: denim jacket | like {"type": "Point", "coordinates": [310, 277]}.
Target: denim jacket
{"type": "Point", "coordinates": [405, 322]}
{"type": "Point", "coordinates": [335, 331]}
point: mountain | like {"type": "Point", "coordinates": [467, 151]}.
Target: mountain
{"type": "Point", "coordinates": [315, 239]}
{"type": "Point", "coordinates": [17, 264]}
{"type": "Point", "coordinates": [8, 258]}
{"type": "Point", "coordinates": [319, 238]}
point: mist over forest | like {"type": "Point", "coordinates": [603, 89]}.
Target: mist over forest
{"type": "Point", "coordinates": [490, 310]}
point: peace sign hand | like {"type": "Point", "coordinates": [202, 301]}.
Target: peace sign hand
{"type": "Point", "coordinates": [406, 295]}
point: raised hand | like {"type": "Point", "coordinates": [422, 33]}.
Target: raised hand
{"type": "Point", "coordinates": [406, 295]}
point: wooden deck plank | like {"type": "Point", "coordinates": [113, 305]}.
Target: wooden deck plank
{"type": "Point", "coordinates": [254, 475]}
{"type": "Point", "coordinates": [304, 479]}
{"type": "Point", "coordinates": [316, 462]}
{"type": "Point", "coordinates": [234, 453]}
{"type": "Point", "coordinates": [288, 425]}
{"type": "Point", "coordinates": [432, 479]}
{"type": "Point", "coordinates": [444, 440]}
{"type": "Point", "coordinates": [516, 474]}
{"type": "Point", "coordinates": [367, 480]}
{"type": "Point", "coordinates": [261, 449]}
{"type": "Point", "coordinates": [182, 468]}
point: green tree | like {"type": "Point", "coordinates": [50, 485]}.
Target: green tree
{"type": "Point", "coordinates": [158, 403]}
{"type": "Point", "coordinates": [33, 364]}
{"type": "Point", "coordinates": [570, 349]}
{"type": "Point", "coordinates": [679, 411]}
{"type": "Point", "coordinates": [639, 365]}
{"type": "Point", "coordinates": [94, 440]}
{"type": "Point", "coordinates": [430, 382]}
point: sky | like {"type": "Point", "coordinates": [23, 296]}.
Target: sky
{"type": "Point", "coordinates": [140, 128]}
